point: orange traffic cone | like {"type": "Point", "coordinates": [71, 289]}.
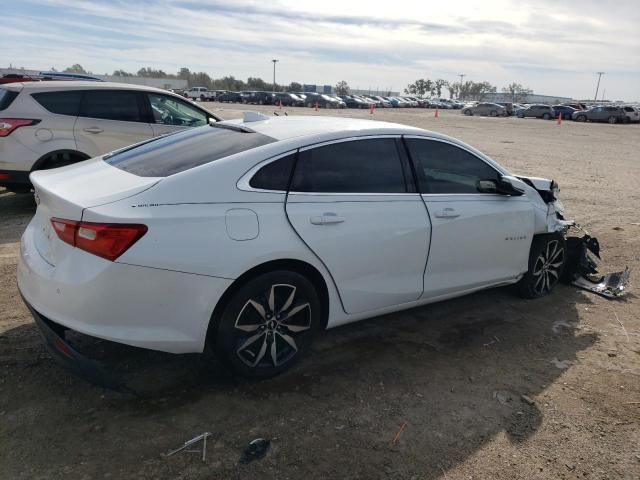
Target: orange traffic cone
{"type": "Point", "coordinates": [559, 121]}
{"type": "Point", "coordinates": [316, 106]}
{"type": "Point", "coordinates": [280, 105]}
{"type": "Point", "coordinates": [371, 109]}
{"type": "Point", "coordinates": [436, 114]}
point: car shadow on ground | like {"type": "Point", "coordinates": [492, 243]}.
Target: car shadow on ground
{"type": "Point", "coordinates": [15, 212]}
{"type": "Point", "coordinates": [455, 374]}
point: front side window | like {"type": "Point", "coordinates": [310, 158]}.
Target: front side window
{"type": "Point", "coordinates": [357, 166]}
{"type": "Point", "coordinates": [61, 103]}
{"type": "Point", "coordinates": [119, 105]}
{"type": "Point", "coordinates": [171, 111]}
{"type": "Point", "coordinates": [445, 168]}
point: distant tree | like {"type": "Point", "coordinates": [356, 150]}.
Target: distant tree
{"type": "Point", "coordinates": [454, 89]}
{"type": "Point", "coordinates": [152, 73]}
{"type": "Point", "coordinates": [294, 87]}
{"type": "Point", "coordinates": [476, 90]}
{"type": "Point", "coordinates": [122, 73]}
{"type": "Point", "coordinates": [254, 83]}
{"type": "Point", "coordinates": [76, 68]}
{"type": "Point", "coordinates": [184, 73]}
{"type": "Point", "coordinates": [518, 92]}
{"type": "Point", "coordinates": [420, 87]}
{"type": "Point", "coordinates": [228, 83]}
{"type": "Point", "coordinates": [438, 85]}
{"type": "Point", "coordinates": [342, 88]}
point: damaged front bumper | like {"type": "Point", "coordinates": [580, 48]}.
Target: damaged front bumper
{"type": "Point", "coordinates": [581, 268]}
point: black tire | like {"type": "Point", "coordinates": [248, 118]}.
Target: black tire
{"type": "Point", "coordinates": [251, 321]}
{"type": "Point", "coordinates": [612, 120]}
{"type": "Point", "coordinates": [468, 113]}
{"type": "Point", "coordinates": [60, 159]}
{"type": "Point", "coordinates": [546, 264]}
{"type": "Point", "coordinates": [493, 113]}
{"type": "Point", "coordinates": [520, 115]}
{"type": "Point", "coordinates": [581, 118]}
{"type": "Point", "coordinates": [546, 116]}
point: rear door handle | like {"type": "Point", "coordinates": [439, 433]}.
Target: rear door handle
{"type": "Point", "coordinates": [447, 213]}
{"type": "Point", "coordinates": [93, 130]}
{"type": "Point", "coordinates": [328, 218]}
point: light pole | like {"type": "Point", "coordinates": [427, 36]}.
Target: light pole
{"type": "Point", "coordinates": [598, 85]}
{"type": "Point", "coordinates": [274, 74]}
{"type": "Point", "coordinates": [462, 75]}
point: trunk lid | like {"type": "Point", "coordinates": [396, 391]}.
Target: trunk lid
{"type": "Point", "coordinates": [65, 193]}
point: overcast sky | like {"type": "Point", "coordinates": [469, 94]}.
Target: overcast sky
{"type": "Point", "coordinates": [553, 47]}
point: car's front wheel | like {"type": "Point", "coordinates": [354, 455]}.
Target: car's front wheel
{"type": "Point", "coordinates": [546, 264]}
{"type": "Point", "coordinates": [612, 120]}
{"type": "Point", "coordinates": [268, 324]}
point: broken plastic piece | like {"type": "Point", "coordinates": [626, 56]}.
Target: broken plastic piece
{"type": "Point", "coordinates": [191, 442]}
{"type": "Point", "coordinates": [611, 285]}
{"type": "Point", "coordinates": [255, 450]}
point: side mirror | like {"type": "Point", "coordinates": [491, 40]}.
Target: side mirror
{"type": "Point", "coordinates": [487, 186]}
{"type": "Point", "coordinates": [509, 186]}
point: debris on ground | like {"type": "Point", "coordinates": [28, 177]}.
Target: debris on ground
{"type": "Point", "coordinates": [527, 399]}
{"type": "Point", "coordinates": [193, 441]}
{"type": "Point", "coordinates": [256, 450]}
{"type": "Point", "coordinates": [397, 437]}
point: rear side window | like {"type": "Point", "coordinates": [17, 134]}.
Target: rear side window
{"type": "Point", "coordinates": [6, 97]}
{"type": "Point", "coordinates": [184, 150]}
{"type": "Point", "coordinates": [445, 168]}
{"type": "Point", "coordinates": [275, 175]}
{"type": "Point", "coordinates": [62, 103]}
{"type": "Point", "coordinates": [119, 105]}
{"type": "Point", "coordinates": [358, 166]}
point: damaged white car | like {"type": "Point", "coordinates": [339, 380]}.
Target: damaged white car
{"type": "Point", "coordinates": [249, 236]}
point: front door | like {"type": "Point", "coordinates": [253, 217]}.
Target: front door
{"type": "Point", "coordinates": [171, 114]}
{"type": "Point", "coordinates": [355, 205]}
{"type": "Point", "coordinates": [478, 239]}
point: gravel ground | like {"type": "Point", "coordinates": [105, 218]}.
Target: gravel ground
{"type": "Point", "coordinates": [487, 386]}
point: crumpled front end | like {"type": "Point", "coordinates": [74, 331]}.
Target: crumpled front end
{"type": "Point", "coordinates": [581, 264]}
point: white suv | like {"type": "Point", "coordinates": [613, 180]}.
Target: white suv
{"type": "Point", "coordinates": [50, 124]}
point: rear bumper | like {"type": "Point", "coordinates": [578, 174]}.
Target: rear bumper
{"type": "Point", "coordinates": [14, 179]}
{"type": "Point", "coordinates": [137, 306]}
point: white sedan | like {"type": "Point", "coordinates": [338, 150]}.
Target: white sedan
{"type": "Point", "coordinates": [249, 236]}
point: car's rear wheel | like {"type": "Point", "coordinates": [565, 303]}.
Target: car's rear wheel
{"type": "Point", "coordinates": [546, 264]}
{"type": "Point", "coordinates": [581, 118]}
{"type": "Point", "coordinates": [546, 116]}
{"type": "Point", "coordinates": [612, 120]}
{"type": "Point", "coordinates": [493, 113]}
{"type": "Point", "coordinates": [268, 324]}
{"type": "Point", "coordinates": [468, 112]}
{"type": "Point", "coordinates": [59, 159]}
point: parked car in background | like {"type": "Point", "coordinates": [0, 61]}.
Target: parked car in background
{"type": "Point", "coordinates": [15, 77]}
{"type": "Point", "coordinates": [632, 113]}
{"type": "Point", "coordinates": [255, 98]}
{"type": "Point", "coordinates": [229, 97]}
{"type": "Point", "coordinates": [199, 93]}
{"type": "Point", "coordinates": [508, 107]}
{"type": "Point", "coordinates": [50, 124]}
{"type": "Point", "coordinates": [353, 102]}
{"type": "Point", "coordinates": [380, 101]}
{"type": "Point", "coordinates": [577, 106]}
{"type": "Point", "coordinates": [602, 114]}
{"type": "Point", "coordinates": [486, 109]}
{"type": "Point", "coordinates": [247, 237]}
{"type": "Point", "coordinates": [564, 110]}
{"type": "Point", "coordinates": [288, 99]}
{"type": "Point", "coordinates": [537, 111]}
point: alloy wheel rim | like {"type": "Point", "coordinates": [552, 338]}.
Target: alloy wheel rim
{"type": "Point", "coordinates": [546, 270]}
{"type": "Point", "coordinates": [269, 327]}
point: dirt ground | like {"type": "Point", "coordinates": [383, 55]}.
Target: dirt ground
{"type": "Point", "coordinates": [445, 381]}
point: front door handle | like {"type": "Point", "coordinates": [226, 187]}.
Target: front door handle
{"type": "Point", "coordinates": [447, 213]}
{"type": "Point", "coordinates": [93, 130]}
{"type": "Point", "coordinates": [328, 218]}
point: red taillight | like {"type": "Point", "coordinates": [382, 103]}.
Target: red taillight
{"type": "Point", "coordinates": [8, 125]}
{"type": "Point", "coordinates": [106, 240]}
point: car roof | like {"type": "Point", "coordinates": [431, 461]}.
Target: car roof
{"type": "Point", "coordinates": [83, 85]}
{"type": "Point", "coordinates": [292, 126]}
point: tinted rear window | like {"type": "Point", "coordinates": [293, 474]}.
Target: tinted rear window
{"type": "Point", "coordinates": [184, 150]}
{"type": "Point", "coordinates": [6, 97]}
{"type": "Point", "coordinates": [62, 103]}
{"type": "Point", "coordinates": [112, 105]}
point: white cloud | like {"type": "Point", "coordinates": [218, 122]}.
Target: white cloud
{"type": "Point", "coordinates": [552, 47]}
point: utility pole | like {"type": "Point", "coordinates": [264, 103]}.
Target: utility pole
{"type": "Point", "coordinates": [598, 85]}
{"type": "Point", "coordinates": [462, 75]}
{"type": "Point", "coordinates": [274, 74]}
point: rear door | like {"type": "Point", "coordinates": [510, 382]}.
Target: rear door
{"type": "Point", "coordinates": [171, 114]}
{"type": "Point", "coordinates": [478, 239]}
{"type": "Point", "coordinates": [111, 119]}
{"type": "Point", "coordinates": [355, 205]}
